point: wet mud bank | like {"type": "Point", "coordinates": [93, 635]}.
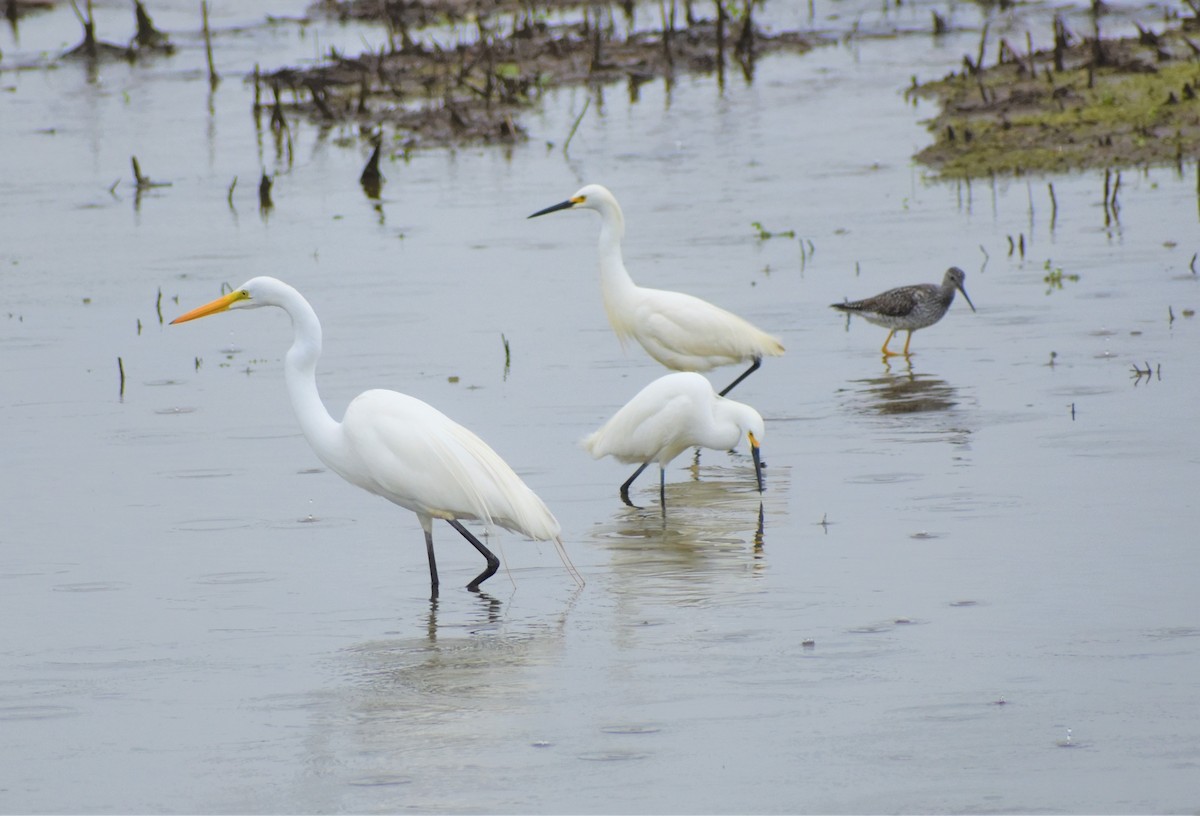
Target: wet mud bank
{"type": "Point", "coordinates": [458, 72]}
{"type": "Point", "coordinates": [1087, 102]}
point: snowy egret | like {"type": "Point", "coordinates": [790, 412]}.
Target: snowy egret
{"type": "Point", "coordinates": [682, 332]}
{"type": "Point", "coordinates": [670, 415]}
{"type": "Point", "coordinates": [909, 307]}
{"type": "Point", "coordinates": [397, 446]}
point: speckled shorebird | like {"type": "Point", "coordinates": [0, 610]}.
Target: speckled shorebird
{"type": "Point", "coordinates": [909, 307]}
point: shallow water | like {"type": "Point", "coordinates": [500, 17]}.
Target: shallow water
{"type": "Point", "coordinates": [970, 585]}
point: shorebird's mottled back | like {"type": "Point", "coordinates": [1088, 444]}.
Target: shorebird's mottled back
{"type": "Point", "coordinates": [909, 308]}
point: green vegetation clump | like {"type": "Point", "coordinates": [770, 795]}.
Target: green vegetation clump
{"type": "Point", "coordinates": [1131, 102]}
{"type": "Point", "coordinates": [1054, 280]}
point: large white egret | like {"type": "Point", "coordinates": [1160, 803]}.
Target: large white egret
{"type": "Point", "coordinates": [668, 416]}
{"type": "Point", "coordinates": [681, 331]}
{"type": "Point", "coordinates": [909, 308]}
{"type": "Point", "coordinates": [397, 446]}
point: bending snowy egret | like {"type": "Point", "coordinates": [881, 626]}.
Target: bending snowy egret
{"type": "Point", "coordinates": [670, 415]}
{"type": "Point", "coordinates": [909, 307]}
{"type": "Point", "coordinates": [682, 332]}
{"type": "Point", "coordinates": [397, 446]}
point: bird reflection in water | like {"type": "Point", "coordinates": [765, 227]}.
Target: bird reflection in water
{"type": "Point", "coordinates": [905, 391]}
{"type": "Point", "coordinates": [715, 530]}
{"type": "Point", "coordinates": [412, 704]}
{"type": "Point", "coordinates": [488, 614]}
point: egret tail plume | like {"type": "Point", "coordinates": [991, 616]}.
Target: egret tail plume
{"type": "Point", "coordinates": [566, 559]}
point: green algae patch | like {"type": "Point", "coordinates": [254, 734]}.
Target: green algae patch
{"type": "Point", "coordinates": [1112, 103]}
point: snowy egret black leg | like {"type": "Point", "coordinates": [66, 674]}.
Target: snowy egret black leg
{"type": "Point", "coordinates": [745, 374]}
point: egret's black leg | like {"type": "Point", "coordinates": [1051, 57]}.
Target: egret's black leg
{"type": "Point", "coordinates": [662, 490]}
{"type": "Point", "coordinates": [433, 576]}
{"type": "Point", "coordinates": [629, 481]}
{"type": "Point", "coordinates": [745, 374]}
{"type": "Point", "coordinates": [492, 560]}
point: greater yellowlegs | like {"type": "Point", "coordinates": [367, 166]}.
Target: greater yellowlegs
{"type": "Point", "coordinates": [909, 307]}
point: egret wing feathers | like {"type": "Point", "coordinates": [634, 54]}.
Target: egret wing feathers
{"type": "Point", "coordinates": [689, 334]}
{"type": "Point", "coordinates": [653, 426]}
{"type": "Point", "coordinates": [450, 473]}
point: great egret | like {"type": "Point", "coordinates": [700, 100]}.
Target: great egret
{"type": "Point", "coordinates": [670, 415]}
{"type": "Point", "coordinates": [682, 332]}
{"type": "Point", "coordinates": [397, 446]}
{"type": "Point", "coordinates": [909, 307]}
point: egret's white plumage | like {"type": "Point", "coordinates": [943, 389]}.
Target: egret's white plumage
{"type": "Point", "coordinates": [412, 454]}
{"type": "Point", "coordinates": [668, 416]}
{"type": "Point", "coordinates": [397, 446]}
{"type": "Point", "coordinates": [681, 331]}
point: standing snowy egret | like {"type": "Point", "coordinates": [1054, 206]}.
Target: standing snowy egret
{"type": "Point", "coordinates": [670, 415]}
{"type": "Point", "coordinates": [909, 307]}
{"type": "Point", "coordinates": [397, 446]}
{"type": "Point", "coordinates": [682, 332]}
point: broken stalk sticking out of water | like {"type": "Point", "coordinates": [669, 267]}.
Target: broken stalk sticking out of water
{"type": "Point", "coordinates": [371, 179]}
{"type": "Point", "coordinates": [574, 127]}
{"type": "Point", "coordinates": [213, 77]}
{"type": "Point", "coordinates": [149, 37]}
{"type": "Point", "coordinates": [765, 234]}
{"type": "Point", "coordinates": [144, 182]}
{"type": "Point", "coordinates": [1146, 373]}
{"type": "Point", "coordinates": [264, 193]}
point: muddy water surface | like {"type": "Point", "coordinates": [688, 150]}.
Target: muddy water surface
{"type": "Point", "coordinates": [969, 585]}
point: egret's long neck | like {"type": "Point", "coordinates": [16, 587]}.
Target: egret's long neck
{"type": "Point", "coordinates": [615, 283]}
{"type": "Point", "coordinates": [300, 371]}
{"type": "Point", "coordinates": [725, 429]}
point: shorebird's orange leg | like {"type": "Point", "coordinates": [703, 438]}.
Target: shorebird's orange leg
{"type": "Point", "coordinates": [907, 340]}
{"type": "Point", "coordinates": [887, 353]}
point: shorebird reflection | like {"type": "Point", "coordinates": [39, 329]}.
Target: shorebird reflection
{"type": "Point", "coordinates": [905, 392]}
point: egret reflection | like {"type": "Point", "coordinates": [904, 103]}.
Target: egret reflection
{"type": "Point", "coordinates": [715, 532]}
{"type": "Point", "coordinates": [486, 614]}
{"type": "Point", "coordinates": [410, 708]}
